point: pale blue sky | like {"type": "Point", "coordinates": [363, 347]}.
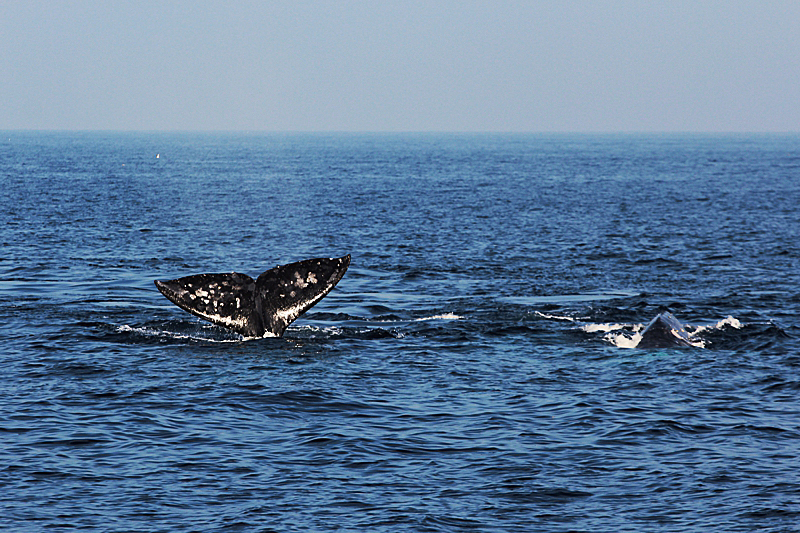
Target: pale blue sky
{"type": "Point", "coordinates": [448, 65]}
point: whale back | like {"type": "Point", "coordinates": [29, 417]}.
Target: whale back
{"type": "Point", "coordinates": [664, 331]}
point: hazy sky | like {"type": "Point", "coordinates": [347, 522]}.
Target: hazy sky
{"type": "Point", "coordinates": [378, 65]}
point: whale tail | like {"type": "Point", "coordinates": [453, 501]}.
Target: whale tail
{"type": "Point", "coordinates": [257, 308]}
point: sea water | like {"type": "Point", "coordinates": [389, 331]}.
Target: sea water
{"type": "Point", "coordinates": [475, 369]}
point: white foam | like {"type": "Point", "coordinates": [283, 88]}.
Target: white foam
{"type": "Point", "coordinates": [337, 331]}
{"type": "Point", "coordinates": [697, 343]}
{"type": "Point", "coordinates": [629, 335]}
{"type": "Point", "coordinates": [621, 340]}
{"type": "Point", "coordinates": [171, 334]}
{"type": "Point", "coordinates": [330, 330]}
{"type": "Point", "coordinates": [729, 321]}
{"type": "Point", "coordinates": [444, 316]}
{"type": "Point", "coordinates": [555, 317]}
{"type": "Point", "coordinates": [594, 328]}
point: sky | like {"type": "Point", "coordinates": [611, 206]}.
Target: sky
{"type": "Point", "coordinates": [434, 65]}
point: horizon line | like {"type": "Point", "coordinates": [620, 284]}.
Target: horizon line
{"type": "Point", "coordinates": [402, 132]}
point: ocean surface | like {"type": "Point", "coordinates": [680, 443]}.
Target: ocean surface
{"type": "Point", "coordinates": [475, 369]}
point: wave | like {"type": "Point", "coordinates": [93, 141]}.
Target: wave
{"type": "Point", "coordinates": [210, 336]}
{"type": "Point", "coordinates": [559, 317]}
{"type": "Point", "coordinates": [213, 334]}
{"type": "Point", "coordinates": [725, 322]}
{"type": "Point", "coordinates": [443, 316]}
{"type": "Point", "coordinates": [312, 331]}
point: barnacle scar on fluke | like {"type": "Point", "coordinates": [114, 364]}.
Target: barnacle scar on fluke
{"type": "Point", "coordinates": [257, 308]}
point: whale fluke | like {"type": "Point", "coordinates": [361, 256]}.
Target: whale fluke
{"type": "Point", "coordinates": [664, 331]}
{"type": "Point", "coordinates": [261, 308]}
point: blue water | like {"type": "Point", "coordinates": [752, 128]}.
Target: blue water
{"type": "Point", "coordinates": [473, 370]}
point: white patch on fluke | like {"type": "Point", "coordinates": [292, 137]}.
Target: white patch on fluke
{"type": "Point", "coordinates": [298, 280]}
{"type": "Point", "coordinates": [226, 320]}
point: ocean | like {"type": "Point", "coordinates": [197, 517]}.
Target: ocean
{"type": "Point", "coordinates": [474, 370]}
